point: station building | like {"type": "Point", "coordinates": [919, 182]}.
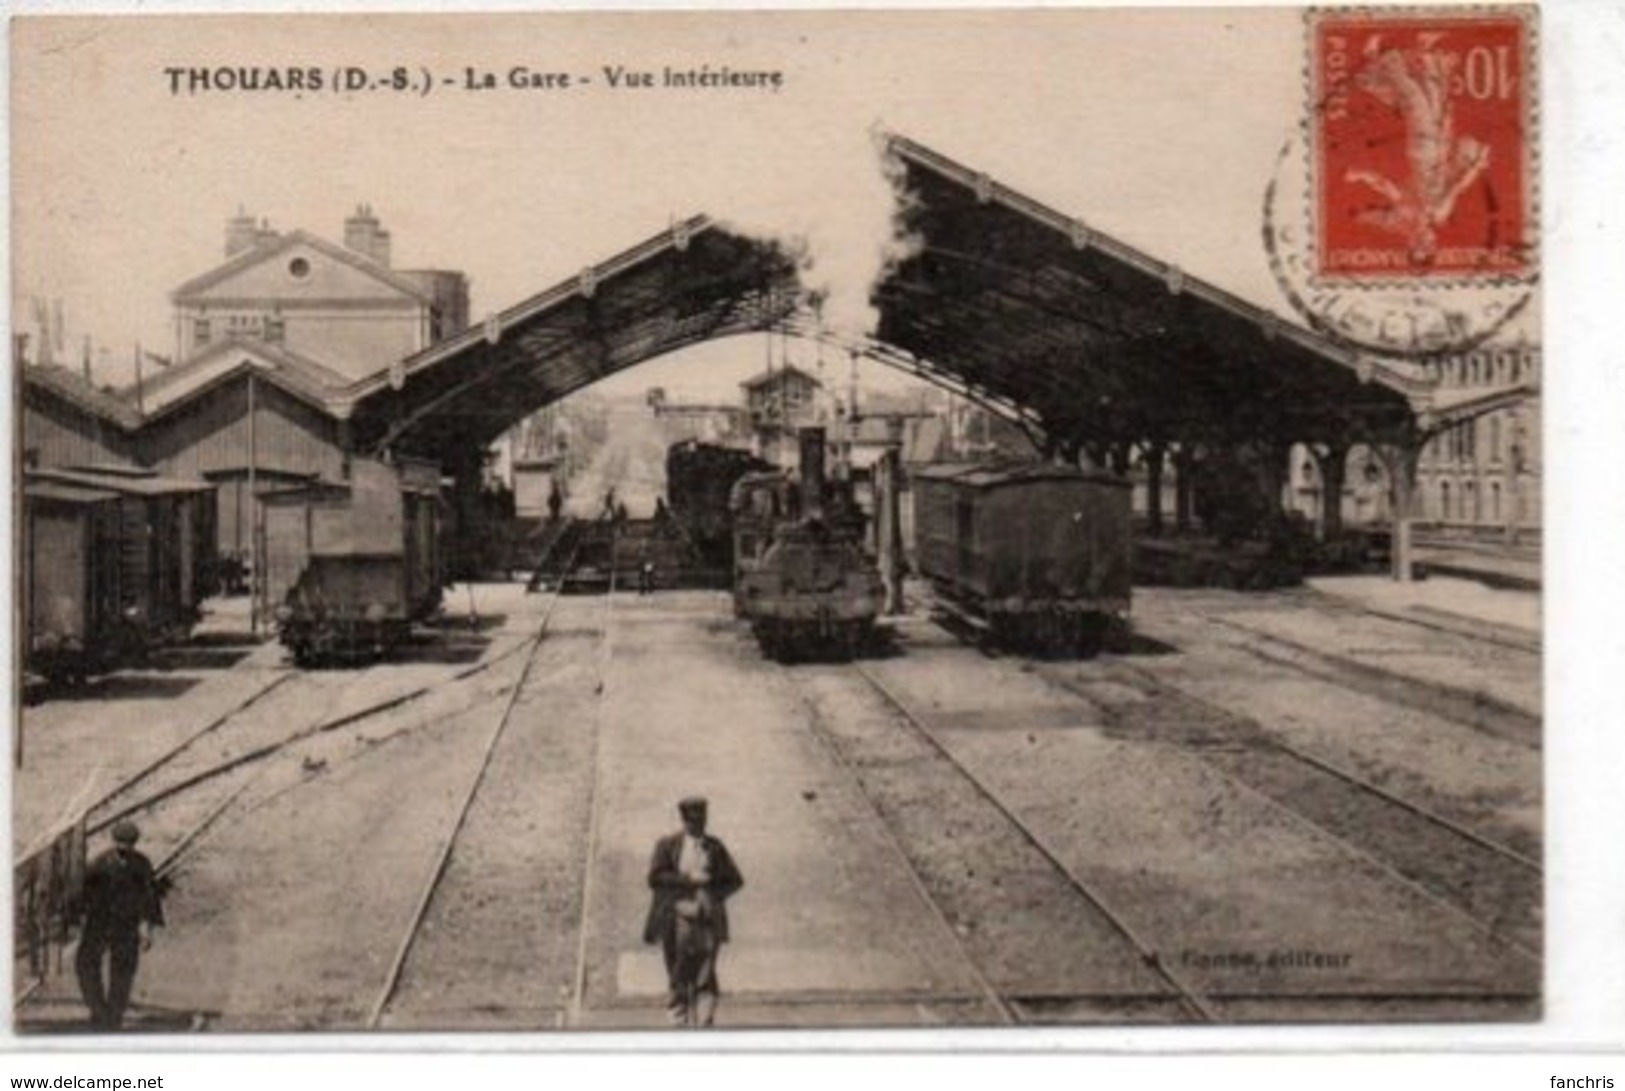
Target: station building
{"type": "Point", "coordinates": [344, 307]}
{"type": "Point", "coordinates": [267, 344]}
{"type": "Point", "coordinates": [68, 421]}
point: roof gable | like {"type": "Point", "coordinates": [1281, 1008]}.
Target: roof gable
{"type": "Point", "coordinates": [783, 374]}
{"type": "Point", "coordinates": [70, 387]}
{"type": "Point", "coordinates": [272, 271]}
{"type": "Point", "coordinates": [302, 377]}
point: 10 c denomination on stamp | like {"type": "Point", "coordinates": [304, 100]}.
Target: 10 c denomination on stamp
{"type": "Point", "coordinates": [1420, 144]}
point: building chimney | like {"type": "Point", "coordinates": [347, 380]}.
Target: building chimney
{"type": "Point", "coordinates": [364, 235]}
{"type": "Point", "coordinates": [241, 233]}
{"type": "Point", "coordinates": [264, 234]}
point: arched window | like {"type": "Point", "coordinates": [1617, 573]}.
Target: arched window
{"type": "Point", "coordinates": [1445, 511]}
{"type": "Point", "coordinates": [1495, 501]}
{"type": "Point", "coordinates": [1495, 438]}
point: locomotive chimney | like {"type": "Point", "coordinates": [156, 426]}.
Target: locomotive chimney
{"type": "Point", "coordinates": [812, 473]}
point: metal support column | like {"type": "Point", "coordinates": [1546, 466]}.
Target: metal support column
{"type": "Point", "coordinates": [1333, 464]}
{"type": "Point", "coordinates": [1402, 458]}
{"type": "Point", "coordinates": [1154, 455]}
{"type": "Point", "coordinates": [1184, 494]}
{"type": "Point", "coordinates": [889, 526]}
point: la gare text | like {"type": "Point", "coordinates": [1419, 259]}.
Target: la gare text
{"type": "Point", "coordinates": [420, 80]}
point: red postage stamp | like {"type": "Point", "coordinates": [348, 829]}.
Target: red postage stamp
{"type": "Point", "coordinates": [1421, 137]}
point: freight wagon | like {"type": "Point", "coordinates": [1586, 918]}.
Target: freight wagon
{"type": "Point", "coordinates": [114, 562]}
{"type": "Point", "coordinates": [1032, 557]}
{"type": "Point", "coordinates": [352, 565]}
{"type": "Point", "coordinates": [699, 480]}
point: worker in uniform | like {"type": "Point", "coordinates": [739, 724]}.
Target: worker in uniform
{"type": "Point", "coordinates": [692, 876]}
{"type": "Point", "coordinates": [121, 906]}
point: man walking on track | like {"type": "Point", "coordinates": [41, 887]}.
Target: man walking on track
{"type": "Point", "coordinates": [692, 877]}
{"type": "Point", "coordinates": [121, 907]}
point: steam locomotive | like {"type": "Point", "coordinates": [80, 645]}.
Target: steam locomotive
{"type": "Point", "coordinates": [801, 576]}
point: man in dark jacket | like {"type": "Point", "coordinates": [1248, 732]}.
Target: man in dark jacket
{"type": "Point", "coordinates": [121, 907]}
{"type": "Point", "coordinates": [692, 877]}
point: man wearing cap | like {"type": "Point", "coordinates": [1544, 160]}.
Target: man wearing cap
{"type": "Point", "coordinates": [121, 907]}
{"type": "Point", "coordinates": [692, 877]}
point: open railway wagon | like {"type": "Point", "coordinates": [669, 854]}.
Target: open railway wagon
{"type": "Point", "coordinates": [802, 578]}
{"type": "Point", "coordinates": [1030, 557]}
{"type": "Point", "coordinates": [114, 562]}
{"type": "Point", "coordinates": [699, 481]}
{"type": "Point", "coordinates": [353, 565]}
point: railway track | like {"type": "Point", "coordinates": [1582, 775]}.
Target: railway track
{"type": "Point", "coordinates": [1195, 1006]}
{"type": "Point", "coordinates": [1170, 995]}
{"type": "Point", "coordinates": [1440, 621]}
{"type": "Point", "coordinates": [574, 1011]}
{"type": "Point", "coordinates": [121, 801]}
{"type": "Point", "coordinates": [1494, 887]}
{"type": "Point", "coordinates": [990, 995]}
{"type": "Point", "coordinates": [1446, 860]}
{"type": "Point", "coordinates": [1478, 710]}
{"type": "Point", "coordinates": [434, 886]}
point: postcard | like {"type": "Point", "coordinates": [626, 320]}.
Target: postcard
{"type": "Point", "coordinates": [579, 522]}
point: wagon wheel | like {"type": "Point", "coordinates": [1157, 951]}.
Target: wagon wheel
{"type": "Point", "coordinates": [1091, 635]}
{"type": "Point", "coordinates": [999, 634]}
{"type": "Point", "coordinates": [851, 640]}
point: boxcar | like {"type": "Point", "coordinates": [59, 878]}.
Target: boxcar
{"type": "Point", "coordinates": [114, 563]}
{"type": "Point", "coordinates": [353, 565]}
{"type": "Point", "coordinates": [699, 480]}
{"type": "Point", "coordinates": [1032, 556]}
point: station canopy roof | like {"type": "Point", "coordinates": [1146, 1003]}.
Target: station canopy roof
{"type": "Point", "coordinates": [1078, 336]}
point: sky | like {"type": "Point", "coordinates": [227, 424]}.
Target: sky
{"type": "Point", "coordinates": [1160, 127]}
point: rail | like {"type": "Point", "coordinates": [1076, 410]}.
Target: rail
{"type": "Point", "coordinates": [397, 965]}
{"type": "Point", "coordinates": [1184, 993]}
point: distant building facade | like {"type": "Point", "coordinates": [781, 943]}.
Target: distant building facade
{"type": "Point", "coordinates": [342, 306]}
{"type": "Point", "coordinates": [1473, 477]}
{"type": "Point", "coordinates": [1485, 472]}
{"type": "Point", "coordinates": [778, 403]}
